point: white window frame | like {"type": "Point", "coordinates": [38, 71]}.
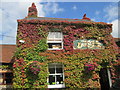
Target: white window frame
{"type": "Point", "coordinates": [55, 74]}
{"type": "Point", "coordinates": [55, 40]}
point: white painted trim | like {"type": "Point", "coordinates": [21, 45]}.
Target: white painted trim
{"type": "Point", "coordinates": [55, 49]}
{"type": "Point", "coordinates": [22, 41]}
{"type": "Point", "coordinates": [57, 86]}
{"type": "Point", "coordinates": [109, 77]}
{"type": "Point", "coordinates": [54, 41]}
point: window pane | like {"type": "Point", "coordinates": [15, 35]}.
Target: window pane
{"type": "Point", "coordinates": [52, 70]}
{"type": "Point", "coordinates": [54, 36]}
{"type": "Point", "coordinates": [8, 81]}
{"type": "Point", "coordinates": [50, 45]}
{"type": "Point", "coordinates": [59, 68]}
{"type": "Point", "coordinates": [51, 79]}
{"type": "Point", "coordinates": [55, 45]}
{"type": "Point", "coordinates": [58, 35]}
{"type": "Point", "coordinates": [59, 79]}
{"type": "Point", "coordinates": [51, 35]}
{"type": "Point", "coordinates": [9, 75]}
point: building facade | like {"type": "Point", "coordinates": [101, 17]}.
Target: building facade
{"type": "Point", "coordinates": [6, 62]}
{"type": "Point", "coordinates": [62, 53]}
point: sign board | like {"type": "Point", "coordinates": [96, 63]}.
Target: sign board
{"type": "Point", "coordinates": [87, 44]}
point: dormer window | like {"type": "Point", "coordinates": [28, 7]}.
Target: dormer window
{"type": "Point", "coordinates": [55, 40]}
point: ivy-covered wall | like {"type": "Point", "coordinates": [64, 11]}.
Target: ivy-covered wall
{"type": "Point", "coordinates": [81, 66]}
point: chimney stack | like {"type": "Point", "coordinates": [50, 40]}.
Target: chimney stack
{"type": "Point", "coordinates": [32, 11]}
{"type": "Point", "coordinates": [85, 18]}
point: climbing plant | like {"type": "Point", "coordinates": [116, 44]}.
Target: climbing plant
{"type": "Point", "coordinates": [81, 66]}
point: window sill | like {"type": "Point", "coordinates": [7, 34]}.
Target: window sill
{"type": "Point", "coordinates": [57, 86]}
{"type": "Point", "coordinates": [55, 49]}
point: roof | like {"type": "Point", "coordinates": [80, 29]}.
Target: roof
{"type": "Point", "coordinates": [117, 39]}
{"type": "Point", "coordinates": [6, 53]}
{"type": "Point", "coordinates": [60, 19]}
{"type": "Point", "coordinates": [55, 21]}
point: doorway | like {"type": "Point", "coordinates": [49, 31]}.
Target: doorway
{"type": "Point", "coordinates": [104, 79]}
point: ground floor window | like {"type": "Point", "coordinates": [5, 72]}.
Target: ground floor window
{"type": "Point", "coordinates": [56, 76]}
{"type": "Point", "coordinates": [6, 78]}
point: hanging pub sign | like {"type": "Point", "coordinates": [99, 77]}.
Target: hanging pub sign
{"type": "Point", "coordinates": [87, 44]}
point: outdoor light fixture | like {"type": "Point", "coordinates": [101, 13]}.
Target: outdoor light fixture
{"type": "Point", "coordinates": [22, 41]}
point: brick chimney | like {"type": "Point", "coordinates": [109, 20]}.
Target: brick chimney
{"type": "Point", "coordinates": [32, 11]}
{"type": "Point", "coordinates": [85, 18]}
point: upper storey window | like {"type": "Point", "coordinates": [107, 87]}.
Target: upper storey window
{"type": "Point", "coordinates": [55, 40]}
{"type": "Point", "coordinates": [88, 44]}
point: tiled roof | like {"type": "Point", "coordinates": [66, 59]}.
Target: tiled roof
{"type": "Point", "coordinates": [6, 53]}
{"type": "Point", "coordinates": [60, 19]}
{"type": "Point", "coordinates": [117, 39]}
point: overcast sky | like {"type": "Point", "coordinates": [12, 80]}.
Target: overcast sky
{"type": "Point", "coordinates": [11, 10]}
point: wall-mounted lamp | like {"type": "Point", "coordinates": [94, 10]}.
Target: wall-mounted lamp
{"type": "Point", "coordinates": [21, 41]}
